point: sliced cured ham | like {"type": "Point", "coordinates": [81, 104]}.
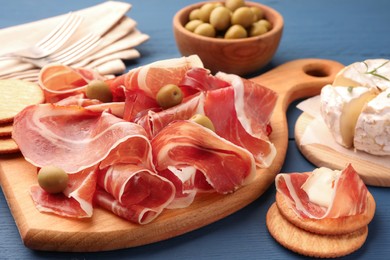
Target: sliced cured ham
{"type": "Point", "coordinates": [150, 78]}
{"type": "Point", "coordinates": [60, 81]}
{"type": "Point", "coordinates": [349, 195]}
{"type": "Point", "coordinates": [142, 84]}
{"type": "Point", "coordinates": [200, 79]}
{"type": "Point", "coordinates": [242, 114]}
{"type": "Point", "coordinates": [76, 201]}
{"type": "Point", "coordinates": [153, 122]}
{"type": "Point", "coordinates": [75, 138]}
{"type": "Point", "coordinates": [133, 192]}
{"type": "Point", "coordinates": [224, 165]}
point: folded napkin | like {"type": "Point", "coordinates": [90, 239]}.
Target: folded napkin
{"type": "Point", "coordinates": [119, 37]}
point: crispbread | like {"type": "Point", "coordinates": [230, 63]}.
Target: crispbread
{"type": "Point", "coordinates": [327, 226]}
{"type": "Point", "coordinates": [311, 244]}
{"type": "Point", "coordinates": [8, 145]}
{"type": "Point", "coordinates": [16, 95]}
{"type": "Point", "coordinates": [5, 129]}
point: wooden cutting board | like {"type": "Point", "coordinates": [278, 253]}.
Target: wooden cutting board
{"type": "Point", "coordinates": [105, 231]}
{"type": "Point", "coordinates": [321, 155]}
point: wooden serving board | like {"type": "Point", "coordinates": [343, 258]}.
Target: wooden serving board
{"type": "Point", "coordinates": [105, 231]}
{"type": "Point", "coordinates": [321, 155]}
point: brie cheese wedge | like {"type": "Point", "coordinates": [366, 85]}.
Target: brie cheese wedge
{"type": "Point", "coordinates": [340, 108]}
{"type": "Point", "coordinates": [373, 73]}
{"type": "Point", "coordinates": [372, 133]}
{"type": "Point", "coordinates": [320, 186]}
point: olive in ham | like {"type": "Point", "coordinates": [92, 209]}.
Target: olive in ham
{"type": "Point", "coordinates": [98, 89]}
{"type": "Point", "coordinates": [203, 121]}
{"type": "Point", "coordinates": [169, 95]}
{"type": "Point", "coordinates": [52, 179]}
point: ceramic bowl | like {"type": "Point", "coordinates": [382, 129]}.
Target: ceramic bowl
{"type": "Point", "coordinates": [237, 56]}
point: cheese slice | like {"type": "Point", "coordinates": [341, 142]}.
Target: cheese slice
{"type": "Point", "coordinates": [320, 186]}
{"type": "Point", "coordinates": [373, 73]}
{"type": "Point", "coordinates": [340, 108]}
{"type": "Point", "coordinates": [372, 133]}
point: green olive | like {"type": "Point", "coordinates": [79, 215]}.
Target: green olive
{"type": "Point", "coordinates": [194, 14]}
{"type": "Point", "coordinates": [203, 121]}
{"type": "Point", "coordinates": [266, 23]}
{"type": "Point", "coordinates": [191, 25]}
{"type": "Point", "coordinates": [258, 12]}
{"type": "Point", "coordinates": [257, 29]}
{"type": "Point", "coordinates": [243, 16]}
{"type": "Point", "coordinates": [234, 4]}
{"type": "Point", "coordinates": [52, 179]}
{"type": "Point", "coordinates": [98, 89]}
{"type": "Point", "coordinates": [169, 95]}
{"type": "Point", "coordinates": [205, 29]}
{"type": "Point", "coordinates": [205, 11]}
{"type": "Point", "coordinates": [220, 18]}
{"type": "Point", "coordinates": [236, 32]}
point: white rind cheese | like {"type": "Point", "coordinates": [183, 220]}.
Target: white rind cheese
{"type": "Point", "coordinates": [373, 73]}
{"type": "Point", "coordinates": [341, 107]}
{"type": "Point", "coordinates": [372, 133]}
{"type": "Point", "coordinates": [320, 186]}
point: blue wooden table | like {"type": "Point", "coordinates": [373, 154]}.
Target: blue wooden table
{"type": "Point", "coordinates": [341, 30]}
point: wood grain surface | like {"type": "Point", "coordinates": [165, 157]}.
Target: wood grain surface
{"type": "Point", "coordinates": [321, 155]}
{"type": "Point", "coordinates": [105, 231]}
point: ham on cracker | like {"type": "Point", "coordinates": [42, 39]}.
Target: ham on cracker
{"type": "Point", "coordinates": [321, 214]}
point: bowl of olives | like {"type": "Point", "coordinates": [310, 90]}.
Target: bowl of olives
{"type": "Point", "coordinates": [233, 36]}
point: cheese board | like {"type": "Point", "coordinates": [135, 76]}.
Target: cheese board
{"type": "Point", "coordinates": [321, 155]}
{"type": "Point", "coordinates": [105, 231]}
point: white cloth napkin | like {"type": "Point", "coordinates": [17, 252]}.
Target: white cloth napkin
{"type": "Point", "coordinates": [119, 37]}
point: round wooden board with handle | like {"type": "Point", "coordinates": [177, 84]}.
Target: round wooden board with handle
{"type": "Point", "coordinates": [321, 155]}
{"type": "Point", "coordinates": [105, 231]}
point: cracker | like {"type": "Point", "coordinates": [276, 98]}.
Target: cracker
{"type": "Point", "coordinates": [16, 95]}
{"type": "Point", "coordinates": [8, 145]}
{"type": "Point", "coordinates": [311, 244]}
{"type": "Point", "coordinates": [5, 129]}
{"type": "Point", "coordinates": [327, 226]}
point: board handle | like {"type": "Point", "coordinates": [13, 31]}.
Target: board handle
{"type": "Point", "coordinates": [299, 78]}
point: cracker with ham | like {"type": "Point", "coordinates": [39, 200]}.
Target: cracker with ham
{"type": "Point", "coordinates": [326, 212]}
{"type": "Point", "coordinates": [311, 244]}
{"type": "Point", "coordinates": [15, 96]}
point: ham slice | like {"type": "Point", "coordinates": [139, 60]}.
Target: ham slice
{"type": "Point", "coordinates": [143, 83]}
{"type": "Point", "coordinates": [224, 165]}
{"type": "Point", "coordinates": [349, 196]}
{"type": "Point", "coordinates": [240, 113]}
{"type": "Point", "coordinates": [60, 81]}
{"type": "Point", "coordinates": [133, 192]}
{"type": "Point", "coordinates": [75, 201]}
{"type": "Point", "coordinates": [48, 134]}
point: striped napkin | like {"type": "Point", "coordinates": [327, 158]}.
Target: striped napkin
{"type": "Point", "coordinates": [119, 37]}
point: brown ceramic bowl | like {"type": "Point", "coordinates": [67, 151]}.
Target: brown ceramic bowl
{"type": "Point", "coordinates": [237, 56]}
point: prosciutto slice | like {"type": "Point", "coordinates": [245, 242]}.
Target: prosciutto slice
{"type": "Point", "coordinates": [133, 192]}
{"type": "Point", "coordinates": [75, 138]}
{"type": "Point", "coordinates": [240, 113]}
{"type": "Point", "coordinates": [348, 198]}
{"type": "Point", "coordinates": [143, 83]}
{"type": "Point", "coordinates": [225, 166]}
{"type": "Point", "coordinates": [75, 201]}
{"type": "Point", "coordinates": [60, 81]}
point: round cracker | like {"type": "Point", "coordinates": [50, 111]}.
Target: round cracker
{"type": "Point", "coordinates": [311, 244]}
{"type": "Point", "coordinates": [327, 226]}
{"type": "Point", "coordinates": [5, 129]}
{"type": "Point", "coordinates": [16, 95]}
{"type": "Point", "coordinates": [8, 145]}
